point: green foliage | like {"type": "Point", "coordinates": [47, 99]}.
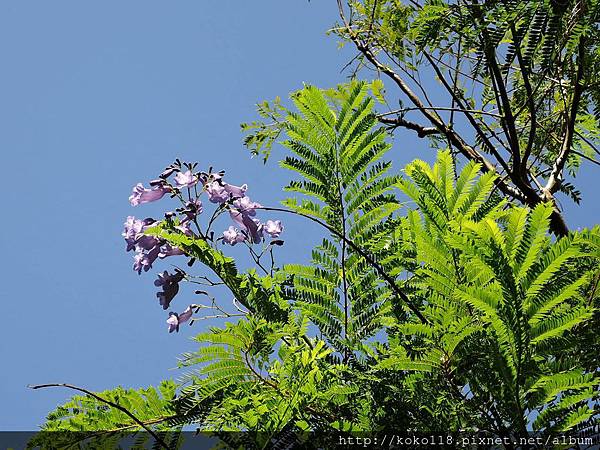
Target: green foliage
{"type": "Point", "coordinates": [84, 413]}
{"type": "Point", "coordinates": [262, 135]}
{"type": "Point", "coordinates": [460, 312]}
{"type": "Point", "coordinates": [87, 422]}
{"type": "Point", "coordinates": [337, 151]}
{"type": "Point", "coordinates": [259, 387]}
{"type": "Point", "coordinates": [499, 295]}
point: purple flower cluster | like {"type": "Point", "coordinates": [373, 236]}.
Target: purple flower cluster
{"type": "Point", "coordinates": [147, 248]}
{"type": "Point", "coordinates": [188, 185]}
{"type": "Point", "coordinates": [220, 192]}
{"type": "Point", "coordinates": [242, 211]}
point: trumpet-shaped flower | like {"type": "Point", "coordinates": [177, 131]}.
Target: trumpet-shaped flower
{"type": "Point", "coordinates": [216, 192]}
{"type": "Point", "coordinates": [168, 250]}
{"type": "Point", "coordinates": [144, 260]}
{"type": "Point", "coordinates": [235, 191]}
{"type": "Point", "coordinates": [134, 230]}
{"type": "Point", "coordinates": [141, 195]}
{"type": "Point", "coordinates": [273, 228]}
{"type": "Point", "coordinates": [253, 229]}
{"type": "Point", "coordinates": [232, 236]}
{"type": "Point", "coordinates": [219, 192]}
{"type": "Point", "coordinates": [242, 213]}
{"type": "Point", "coordinates": [170, 286]}
{"type": "Point", "coordinates": [175, 319]}
{"type": "Point", "coordinates": [244, 206]}
{"type": "Point", "coordinates": [185, 179]}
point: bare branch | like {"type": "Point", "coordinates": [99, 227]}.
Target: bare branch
{"type": "Point", "coordinates": [457, 98]}
{"type": "Point", "coordinates": [587, 158]}
{"type": "Point", "coordinates": [452, 136]}
{"type": "Point", "coordinates": [467, 113]}
{"type": "Point", "coordinates": [530, 103]}
{"type": "Point", "coordinates": [400, 122]}
{"type": "Point", "coordinates": [443, 108]}
{"type": "Point", "coordinates": [559, 164]}
{"type": "Point", "coordinates": [500, 88]}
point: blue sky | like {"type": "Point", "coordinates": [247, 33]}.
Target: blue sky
{"type": "Point", "coordinates": [95, 97]}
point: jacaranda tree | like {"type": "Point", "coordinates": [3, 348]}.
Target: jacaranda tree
{"type": "Point", "coordinates": [445, 297]}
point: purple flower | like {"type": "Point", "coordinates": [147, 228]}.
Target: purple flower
{"type": "Point", "coordinates": [216, 192]}
{"type": "Point", "coordinates": [170, 286]}
{"type": "Point", "coordinates": [146, 242]}
{"type": "Point", "coordinates": [168, 250]}
{"type": "Point", "coordinates": [147, 248]}
{"type": "Point", "coordinates": [144, 260]}
{"type": "Point", "coordinates": [186, 179]}
{"type": "Point", "coordinates": [186, 315]}
{"type": "Point", "coordinates": [242, 212]}
{"type": "Point", "coordinates": [167, 278]}
{"type": "Point", "coordinates": [134, 233]}
{"type": "Point", "coordinates": [252, 228]}
{"type": "Point", "coordinates": [132, 228]}
{"type": "Point", "coordinates": [173, 322]}
{"type": "Point", "coordinates": [142, 195]}
{"type": "Point", "coordinates": [175, 319]}
{"type": "Point", "coordinates": [184, 227]}
{"type": "Point", "coordinates": [138, 262]}
{"type": "Point", "coordinates": [192, 209]}
{"type": "Point", "coordinates": [232, 236]}
{"type": "Point", "coordinates": [273, 228]}
{"type": "Point", "coordinates": [219, 192]}
{"type": "Point", "coordinates": [235, 191]}
{"type": "Point", "coordinates": [245, 206]}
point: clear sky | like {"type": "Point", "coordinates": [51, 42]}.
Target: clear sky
{"type": "Point", "coordinates": [95, 97]}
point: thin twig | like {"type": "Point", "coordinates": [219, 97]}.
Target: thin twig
{"type": "Point", "coordinates": [588, 142]}
{"type": "Point", "coordinates": [442, 108]}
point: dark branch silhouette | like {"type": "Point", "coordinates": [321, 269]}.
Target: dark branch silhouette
{"type": "Point", "coordinates": [108, 402]}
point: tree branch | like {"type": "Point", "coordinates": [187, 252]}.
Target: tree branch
{"type": "Point", "coordinates": [588, 142]}
{"type": "Point", "coordinates": [457, 97]}
{"type": "Point", "coordinates": [467, 112]}
{"type": "Point", "coordinates": [443, 108]}
{"type": "Point", "coordinates": [452, 136]}
{"type": "Point", "coordinates": [530, 103]}
{"type": "Point", "coordinates": [108, 402]}
{"type": "Point", "coordinates": [508, 119]}
{"type": "Point", "coordinates": [400, 122]}
{"type": "Point", "coordinates": [553, 180]}
{"type": "Point", "coordinates": [516, 187]}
